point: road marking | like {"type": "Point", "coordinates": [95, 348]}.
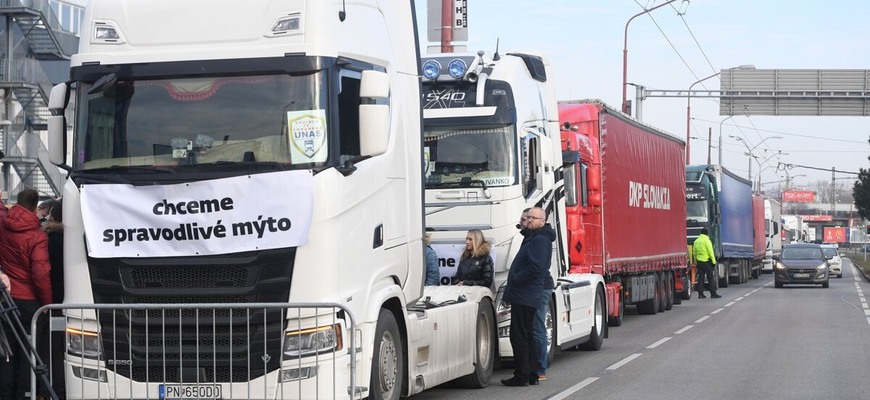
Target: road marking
{"type": "Point", "coordinates": [624, 361]}
{"type": "Point", "coordinates": [572, 389]}
{"type": "Point", "coordinates": [702, 319]}
{"type": "Point", "coordinates": [685, 328]}
{"type": "Point", "coordinates": [717, 311]}
{"type": "Point", "coordinates": [656, 344]}
{"type": "Point", "coordinates": [730, 303]}
{"type": "Point", "coordinates": [739, 298]}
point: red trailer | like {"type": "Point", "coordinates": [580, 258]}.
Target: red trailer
{"type": "Point", "coordinates": [630, 221]}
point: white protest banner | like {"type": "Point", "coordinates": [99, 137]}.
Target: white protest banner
{"type": "Point", "coordinates": [220, 216]}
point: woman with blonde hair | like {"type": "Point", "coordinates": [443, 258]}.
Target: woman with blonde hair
{"type": "Point", "coordinates": [475, 264]}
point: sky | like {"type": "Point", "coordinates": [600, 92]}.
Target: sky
{"type": "Point", "coordinates": [669, 51]}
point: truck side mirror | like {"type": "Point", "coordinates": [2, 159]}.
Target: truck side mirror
{"type": "Point", "coordinates": [57, 102]}
{"type": "Point", "coordinates": [374, 117]}
{"type": "Point", "coordinates": [593, 183]}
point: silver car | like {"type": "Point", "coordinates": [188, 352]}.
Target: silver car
{"type": "Point", "coordinates": [801, 263]}
{"type": "Point", "coordinates": [834, 261]}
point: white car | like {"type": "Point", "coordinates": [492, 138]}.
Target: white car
{"type": "Point", "coordinates": [835, 263]}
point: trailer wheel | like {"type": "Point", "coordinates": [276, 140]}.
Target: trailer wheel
{"type": "Point", "coordinates": [484, 359]}
{"type": "Point", "coordinates": [669, 290]}
{"type": "Point", "coordinates": [617, 320]}
{"type": "Point", "coordinates": [662, 291]}
{"type": "Point", "coordinates": [651, 306]}
{"type": "Point", "coordinates": [388, 371]}
{"type": "Point", "coordinates": [596, 335]}
{"type": "Point", "coordinates": [686, 294]}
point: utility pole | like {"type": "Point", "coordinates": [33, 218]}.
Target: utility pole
{"type": "Point", "coordinates": [833, 192]}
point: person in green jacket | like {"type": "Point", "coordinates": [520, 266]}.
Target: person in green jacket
{"type": "Point", "coordinates": [705, 258]}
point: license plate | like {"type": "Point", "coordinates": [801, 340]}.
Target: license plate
{"type": "Point", "coordinates": [182, 391]}
{"type": "Point", "coordinates": [801, 275]}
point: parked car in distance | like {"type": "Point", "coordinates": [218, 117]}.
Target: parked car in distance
{"type": "Point", "coordinates": [801, 263]}
{"type": "Point", "coordinates": [835, 262]}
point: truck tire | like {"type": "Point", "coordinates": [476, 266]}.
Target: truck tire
{"type": "Point", "coordinates": [485, 339]}
{"type": "Point", "coordinates": [650, 306]}
{"type": "Point", "coordinates": [596, 335]}
{"type": "Point", "coordinates": [669, 290]}
{"type": "Point", "coordinates": [550, 326]}
{"type": "Point", "coordinates": [662, 291]}
{"type": "Point", "coordinates": [686, 294]}
{"type": "Point", "coordinates": [617, 320]}
{"type": "Point", "coordinates": [388, 371]}
{"type": "Point", "coordinates": [723, 282]}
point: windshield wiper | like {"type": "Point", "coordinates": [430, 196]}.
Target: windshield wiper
{"type": "Point", "coordinates": [137, 168]}
{"type": "Point", "coordinates": [462, 183]}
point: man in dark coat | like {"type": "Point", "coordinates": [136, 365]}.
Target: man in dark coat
{"type": "Point", "coordinates": [525, 283]}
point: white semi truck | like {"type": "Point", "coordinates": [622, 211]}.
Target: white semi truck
{"type": "Point", "coordinates": [264, 152]}
{"type": "Point", "coordinates": [773, 235]}
{"type": "Point", "coordinates": [492, 149]}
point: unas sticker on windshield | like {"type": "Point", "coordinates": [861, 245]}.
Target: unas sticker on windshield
{"type": "Point", "coordinates": [308, 136]}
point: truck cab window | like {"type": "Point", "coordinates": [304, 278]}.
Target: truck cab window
{"type": "Point", "coordinates": [348, 113]}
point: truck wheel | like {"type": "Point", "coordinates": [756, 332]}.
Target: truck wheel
{"type": "Point", "coordinates": [596, 336]}
{"type": "Point", "coordinates": [686, 294]}
{"type": "Point", "coordinates": [388, 371]}
{"type": "Point", "coordinates": [550, 326]}
{"type": "Point", "coordinates": [617, 320]}
{"type": "Point", "coordinates": [661, 291]}
{"type": "Point", "coordinates": [650, 306]}
{"type": "Point", "coordinates": [485, 339]}
{"type": "Point", "coordinates": [669, 290]}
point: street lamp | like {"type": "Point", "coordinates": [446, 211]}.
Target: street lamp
{"type": "Point", "coordinates": [752, 155]}
{"type": "Point", "coordinates": [625, 53]}
{"type": "Point", "coordinates": [689, 109]}
{"type": "Point", "coordinates": [720, 137]}
{"type": "Point", "coordinates": [689, 115]}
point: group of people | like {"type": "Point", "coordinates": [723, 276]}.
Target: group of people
{"type": "Point", "coordinates": [527, 290]}
{"type": "Point", "coordinates": [31, 269]}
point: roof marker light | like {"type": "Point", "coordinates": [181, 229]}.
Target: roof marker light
{"type": "Point", "coordinates": [105, 32]}
{"type": "Point", "coordinates": [289, 23]}
{"type": "Point", "coordinates": [457, 68]}
{"type": "Point", "coordinates": [431, 69]}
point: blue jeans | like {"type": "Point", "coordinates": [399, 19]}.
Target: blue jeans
{"type": "Point", "coordinates": [539, 331]}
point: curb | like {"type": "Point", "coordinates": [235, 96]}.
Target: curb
{"type": "Point", "coordinates": [860, 270]}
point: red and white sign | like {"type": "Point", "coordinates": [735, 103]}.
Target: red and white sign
{"type": "Point", "coordinates": [817, 218]}
{"type": "Point", "coordinates": [798, 196]}
{"type": "Point", "coordinates": [833, 235]}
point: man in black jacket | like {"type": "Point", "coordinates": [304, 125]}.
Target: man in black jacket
{"type": "Point", "coordinates": [525, 283]}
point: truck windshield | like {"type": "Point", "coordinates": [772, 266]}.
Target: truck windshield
{"type": "Point", "coordinates": [200, 121]}
{"type": "Point", "coordinates": [467, 156]}
{"type": "Point", "coordinates": [696, 211]}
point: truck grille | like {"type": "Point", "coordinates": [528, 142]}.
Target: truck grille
{"type": "Point", "coordinates": [193, 345]}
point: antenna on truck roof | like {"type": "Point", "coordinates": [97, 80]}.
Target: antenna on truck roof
{"type": "Point", "coordinates": [495, 56]}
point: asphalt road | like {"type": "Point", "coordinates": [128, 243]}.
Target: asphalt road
{"type": "Point", "coordinates": [757, 342]}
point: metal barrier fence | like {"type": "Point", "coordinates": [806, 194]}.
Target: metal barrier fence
{"type": "Point", "coordinates": [198, 351]}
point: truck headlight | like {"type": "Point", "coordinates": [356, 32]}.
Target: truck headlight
{"type": "Point", "coordinates": [83, 343]}
{"type": "Point", "coordinates": [502, 309]}
{"type": "Point", "coordinates": [311, 341]}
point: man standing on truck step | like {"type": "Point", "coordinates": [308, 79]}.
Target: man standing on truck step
{"type": "Point", "coordinates": [525, 283]}
{"type": "Point", "coordinates": [702, 249]}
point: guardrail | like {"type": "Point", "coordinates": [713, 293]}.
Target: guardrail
{"type": "Point", "coordinates": [205, 351]}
